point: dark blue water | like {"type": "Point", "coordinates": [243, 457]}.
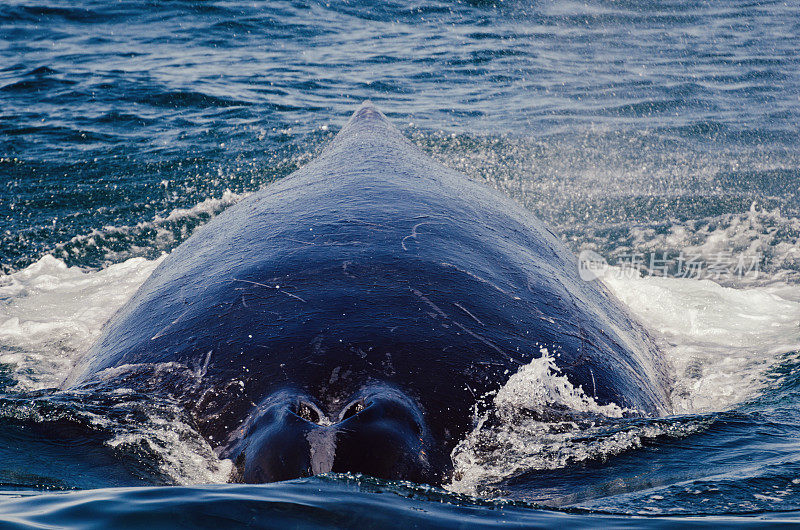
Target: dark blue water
{"type": "Point", "coordinates": [629, 127]}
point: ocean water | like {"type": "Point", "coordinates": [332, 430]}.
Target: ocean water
{"type": "Point", "coordinates": [659, 139]}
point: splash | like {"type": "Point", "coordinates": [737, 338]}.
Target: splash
{"type": "Point", "coordinates": [113, 244]}
{"type": "Point", "coordinates": [540, 421]}
{"type": "Point", "coordinates": [154, 439]}
{"type": "Point", "coordinates": [168, 439]}
{"type": "Point", "coordinates": [723, 345]}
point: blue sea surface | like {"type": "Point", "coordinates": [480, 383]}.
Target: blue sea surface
{"type": "Point", "coordinates": [629, 127]}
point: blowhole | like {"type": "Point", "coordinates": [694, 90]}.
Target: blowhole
{"type": "Point", "coordinates": [354, 409]}
{"type": "Point", "coordinates": [308, 412]}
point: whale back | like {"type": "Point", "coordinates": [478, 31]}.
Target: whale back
{"type": "Point", "coordinates": [372, 263]}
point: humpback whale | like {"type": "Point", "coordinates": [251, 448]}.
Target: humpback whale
{"type": "Point", "coordinates": [350, 316]}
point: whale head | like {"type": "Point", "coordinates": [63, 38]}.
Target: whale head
{"type": "Point", "coordinates": [380, 432]}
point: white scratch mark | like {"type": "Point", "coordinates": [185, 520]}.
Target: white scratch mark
{"type": "Point", "coordinates": [445, 264]}
{"type": "Point", "coordinates": [276, 287]}
{"type": "Point", "coordinates": [464, 309]}
{"type": "Point", "coordinates": [462, 327]}
{"type": "Point", "coordinates": [165, 328]}
{"type": "Point", "coordinates": [413, 234]}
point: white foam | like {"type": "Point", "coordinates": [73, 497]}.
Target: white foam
{"type": "Point", "coordinates": [50, 314]}
{"type": "Point", "coordinates": [721, 342]}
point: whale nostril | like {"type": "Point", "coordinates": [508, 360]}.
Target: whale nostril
{"type": "Point", "coordinates": [380, 432]}
{"type": "Point", "coordinates": [307, 411]}
{"type": "Point", "coordinates": [354, 409]}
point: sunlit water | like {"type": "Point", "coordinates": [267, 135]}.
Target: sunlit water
{"type": "Point", "coordinates": [652, 136]}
